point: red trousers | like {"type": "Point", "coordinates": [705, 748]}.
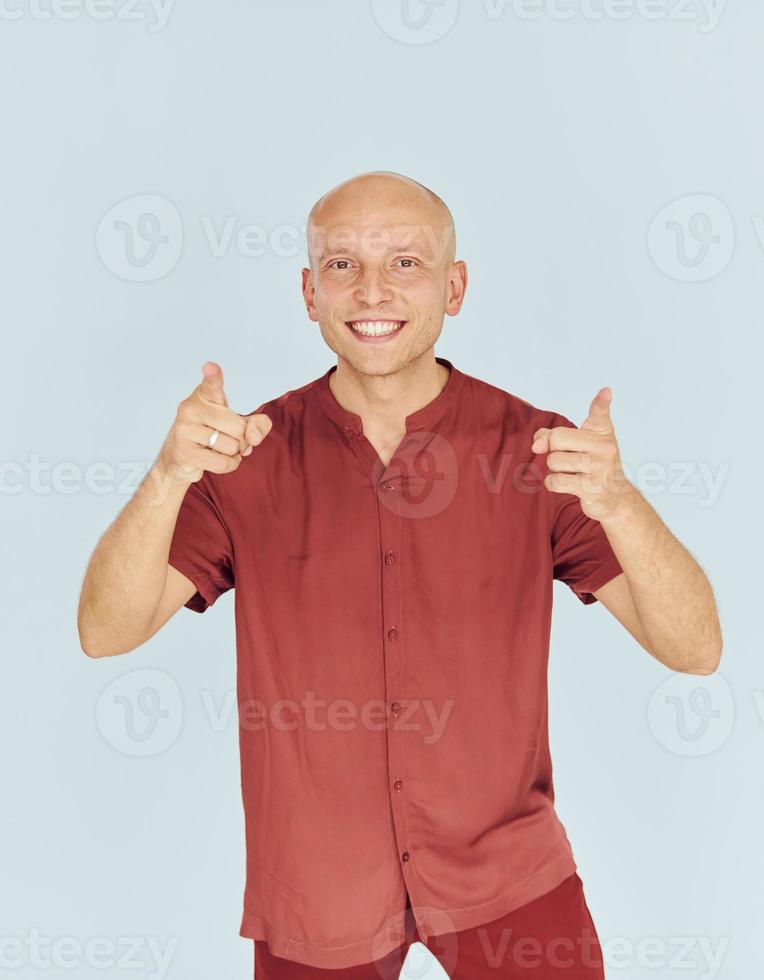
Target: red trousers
{"type": "Point", "coordinates": [551, 938]}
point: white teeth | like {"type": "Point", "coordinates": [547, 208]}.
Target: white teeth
{"type": "Point", "coordinates": [376, 328]}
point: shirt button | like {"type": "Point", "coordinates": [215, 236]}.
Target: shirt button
{"type": "Point", "coordinates": [397, 785]}
{"type": "Point", "coordinates": [389, 558]}
{"type": "Point", "coordinates": [395, 708]}
{"type": "Point", "coordinates": [392, 634]}
{"type": "Point", "coordinates": [405, 856]}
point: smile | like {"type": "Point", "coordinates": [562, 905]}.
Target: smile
{"type": "Point", "coordinates": [376, 328]}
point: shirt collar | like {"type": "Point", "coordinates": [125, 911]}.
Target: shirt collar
{"type": "Point", "coordinates": [420, 419]}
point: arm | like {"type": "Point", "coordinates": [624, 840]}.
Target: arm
{"type": "Point", "coordinates": [663, 597]}
{"type": "Point", "coordinates": [130, 591]}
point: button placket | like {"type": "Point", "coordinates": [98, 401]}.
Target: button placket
{"type": "Point", "coordinates": [390, 528]}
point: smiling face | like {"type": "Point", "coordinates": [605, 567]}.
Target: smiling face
{"type": "Point", "coordinates": [382, 272]}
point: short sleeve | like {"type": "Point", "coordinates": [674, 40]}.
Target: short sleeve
{"type": "Point", "coordinates": [201, 547]}
{"type": "Point", "coordinates": [581, 554]}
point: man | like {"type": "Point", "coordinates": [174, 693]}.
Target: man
{"type": "Point", "coordinates": [393, 529]}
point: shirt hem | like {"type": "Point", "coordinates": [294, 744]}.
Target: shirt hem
{"type": "Point", "coordinates": [332, 957]}
{"type": "Point", "coordinates": [456, 920]}
{"type": "Point", "coordinates": [206, 591]}
{"type": "Point", "coordinates": [605, 573]}
{"type": "Point", "coordinates": [543, 881]}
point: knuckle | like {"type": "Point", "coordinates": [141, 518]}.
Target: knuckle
{"type": "Point", "coordinates": [186, 409]}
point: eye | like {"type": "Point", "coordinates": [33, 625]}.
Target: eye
{"type": "Point", "coordinates": [342, 264]}
{"type": "Point", "coordinates": [408, 259]}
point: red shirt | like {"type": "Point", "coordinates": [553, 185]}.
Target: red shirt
{"type": "Point", "coordinates": [392, 631]}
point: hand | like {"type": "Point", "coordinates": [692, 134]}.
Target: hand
{"type": "Point", "coordinates": [586, 461]}
{"type": "Point", "coordinates": [186, 452]}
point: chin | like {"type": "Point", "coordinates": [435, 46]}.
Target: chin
{"type": "Point", "coordinates": [374, 366]}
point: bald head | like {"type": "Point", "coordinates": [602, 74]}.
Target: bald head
{"type": "Point", "coordinates": [381, 206]}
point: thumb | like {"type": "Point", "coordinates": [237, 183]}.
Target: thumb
{"type": "Point", "coordinates": [211, 387]}
{"type": "Point", "coordinates": [257, 428]}
{"type": "Point", "coordinates": [540, 442]}
{"type": "Point", "coordinates": [598, 419]}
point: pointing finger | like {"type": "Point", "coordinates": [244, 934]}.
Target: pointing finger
{"type": "Point", "coordinates": [211, 387]}
{"type": "Point", "coordinates": [598, 419]}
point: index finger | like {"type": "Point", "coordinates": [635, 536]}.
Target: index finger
{"type": "Point", "coordinates": [598, 419]}
{"type": "Point", "coordinates": [211, 386]}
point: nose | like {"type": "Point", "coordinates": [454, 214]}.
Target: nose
{"type": "Point", "coordinates": [372, 288]}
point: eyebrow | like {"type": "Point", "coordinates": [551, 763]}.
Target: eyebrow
{"type": "Point", "coordinates": [327, 254]}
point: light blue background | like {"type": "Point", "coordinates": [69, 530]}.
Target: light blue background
{"type": "Point", "coordinates": [556, 143]}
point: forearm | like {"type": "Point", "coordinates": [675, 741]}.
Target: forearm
{"type": "Point", "coordinates": [671, 594]}
{"type": "Point", "coordinates": [126, 575]}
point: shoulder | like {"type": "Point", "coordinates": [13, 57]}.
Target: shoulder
{"type": "Point", "coordinates": [290, 405]}
{"type": "Point", "coordinates": [287, 412]}
{"type": "Point", "coordinates": [493, 404]}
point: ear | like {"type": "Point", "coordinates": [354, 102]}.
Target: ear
{"type": "Point", "coordinates": [457, 287]}
{"type": "Point", "coordinates": [309, 294]}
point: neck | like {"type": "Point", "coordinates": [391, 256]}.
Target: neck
{"type": "Point", "coordinates": [388, 399]}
